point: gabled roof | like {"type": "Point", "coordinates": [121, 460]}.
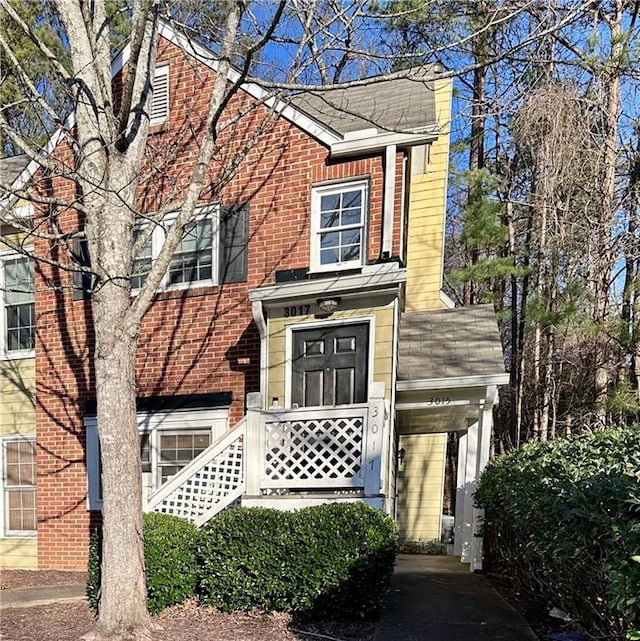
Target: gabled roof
{"type": "Point", "coordinates": [11, 167]}
{"type": "Point", "coordinates": [400, 105]}
{"type": "Point", "coordinates": [450, 343]}
{"type": "Point", "coordinates": [399, 110]}
{"type": "Point", "coordinates": [357, 119]}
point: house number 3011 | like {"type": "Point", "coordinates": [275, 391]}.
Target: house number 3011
{"type": "Point", "coordinates": [296, 310]}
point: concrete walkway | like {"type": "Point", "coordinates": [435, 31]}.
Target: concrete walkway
{"type": "Point", "coordinates": [23, 597]}
{"type": "Point", "coordinates": [436, 598]}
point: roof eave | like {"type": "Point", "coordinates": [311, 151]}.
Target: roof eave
{"type": "Point", "coordinates": [350, 146]}
{"type": "Point", "coordinates": [480, 380]}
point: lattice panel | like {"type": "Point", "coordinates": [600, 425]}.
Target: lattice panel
{"type": "Point", "coordinates": [314, 449]}
{"type": "Point", "coordinates": [208, 487]}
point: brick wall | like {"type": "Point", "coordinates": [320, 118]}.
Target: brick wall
{"type": "Point", "coordinates": [202, 340]}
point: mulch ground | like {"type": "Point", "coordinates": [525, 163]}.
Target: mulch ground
{"type": "Point", "coordinates": [69, 620]}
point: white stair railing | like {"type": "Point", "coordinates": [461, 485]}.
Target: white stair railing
{"type": "Point", "coordinates": [209, 483]}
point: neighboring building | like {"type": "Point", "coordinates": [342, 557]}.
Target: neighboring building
{"type": "Point", "coordinates": [301, 341]}
{"type": "Point", "coordinates": [18, 543]}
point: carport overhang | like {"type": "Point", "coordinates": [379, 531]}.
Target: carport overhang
{"type": "Point", "coordinates": [450, 365]}
{"type": "Point", "coordinates": [464, 405]}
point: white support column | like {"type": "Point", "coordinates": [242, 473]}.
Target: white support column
{"type": "Point", "coordinates": [253, 455]}
{"type": "Point", "coordinates": [460, 493]}
{"type": "Point", "coordinates": [373, 441]}
{"type": "Point", "coordinates": [484, 444]}
{"type": "Point", "coordinates": [469, 488]}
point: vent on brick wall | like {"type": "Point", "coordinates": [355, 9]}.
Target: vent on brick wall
{"type": "Point", "coordinates": [160, 96]}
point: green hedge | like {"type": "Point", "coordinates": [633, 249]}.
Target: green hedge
{"type": "Point", "coordinates": [325, 561]}
{"type": "Point", "coordinates": [170, 561]}
{"type": "Point", "coordinates": [563, 519]}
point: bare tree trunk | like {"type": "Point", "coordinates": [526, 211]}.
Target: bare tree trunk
{"type": "Point", "coordinates": [606, 258]}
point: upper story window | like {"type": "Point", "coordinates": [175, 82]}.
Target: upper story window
{"type": "Point", "coordinates": [160, 96]}
{"type": "Point", "coordinates": [18, 306]}
{"type": "Point", "coordinates": [212, 250]}
{"type": "Point", "coordinates": [338, 226]}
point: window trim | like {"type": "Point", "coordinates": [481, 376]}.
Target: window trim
{"type": "Point", "coordinates": [5, 354]}
{"type": "Point", "coordinates": [157, 241]}
{"type": "Point", "coordinates": [336, 188]}
{"type": "Point", "coordinates": [5, 532]}
{"type": "Point", "coordinates": [216, 420]}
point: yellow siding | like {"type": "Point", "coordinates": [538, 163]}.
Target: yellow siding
{"type": "Point", "coordinates": [17, 416]}
{"type": "Point", "coordinates": [427, 203]}
{"type": "Point", "coordinates": [382, 343]}
{"type": "Point", "coordinates": [19, 554]}
{"type": "Point", "coordinates": [17, 402]}
{"type": "Point", "coordinates": [420, 488]}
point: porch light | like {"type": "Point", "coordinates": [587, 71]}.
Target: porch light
{"type": "Point", "coordinates": [328, 305]}
{"type": "Point", "coordinates": [401, 454]}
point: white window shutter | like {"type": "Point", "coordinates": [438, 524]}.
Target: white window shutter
{"type": "Point", "coordinates": [160, 96]}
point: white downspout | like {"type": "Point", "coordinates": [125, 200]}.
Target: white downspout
{"type": "Point", "coordinates": [389, 200]}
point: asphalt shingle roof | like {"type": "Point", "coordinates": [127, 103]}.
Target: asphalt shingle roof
{"type": "Point", "coordinates": [447, 343]}
{"type": "Point", "coordinates": [11, 167]}
{"type": "Point", "coordinates": [402, 105]}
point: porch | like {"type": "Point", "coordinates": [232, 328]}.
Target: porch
{"type": "Point", "coordinates": [290, 458]}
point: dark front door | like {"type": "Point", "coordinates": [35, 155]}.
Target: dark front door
{"type": "Point", "coordinates": [330, 365]}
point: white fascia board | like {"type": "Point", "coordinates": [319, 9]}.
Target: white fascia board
{"type": "Point", "coordinates": [351, 146]}
{"type": "Point", "coordinates": [482, 380]}
{"type": "Point", "coordinates": [386, 275]}
{"type": "Point", "coordinates": [206, 57]}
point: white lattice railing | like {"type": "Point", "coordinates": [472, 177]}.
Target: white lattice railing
{"type": "Point", "coordinates": [320, 448]}
{"type": "Point", "coordinates": [211, 482]}
{"type": "Point", "coordinates": [313, 448]}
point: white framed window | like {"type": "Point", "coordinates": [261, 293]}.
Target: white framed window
{"type": "Point", "coordinates": [18, 496]}
{"type": "Point", "coordinates": [168, 442]}
{"type": "Point", "coordinates": [338, 214]}
{"type": "Point", "coordinates": [195, 260]}
{"type": "Point", "coordinates": [160, 96]}
{"type": "Point", "coordinates": [17, 293]}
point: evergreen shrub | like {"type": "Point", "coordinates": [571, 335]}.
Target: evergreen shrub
{"type": "Point", "coordinates": [332, 561]}
{"type": "Point", "coordinates": [563, 519]}
{"type": "Point", "coordinates": [170, 561]}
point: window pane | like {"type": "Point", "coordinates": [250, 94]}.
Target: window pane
{"type": "Point", "coordinates": [19, 308]}
{"type": "Point", "coordinates": [193, 260]}
{"type": "Point", "coordinates": [328, 256]}
{"type": "Point", "coordinates": [177, 450]}
{"type": "Point", "coordinates": [330, 202]}
{"type": "Point", "coordinates": [352, 199]}
{"type": "Point", "coordinates": [331, 239]}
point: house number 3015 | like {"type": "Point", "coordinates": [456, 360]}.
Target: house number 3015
{"type": "Point", "coordinates": [296, 310]}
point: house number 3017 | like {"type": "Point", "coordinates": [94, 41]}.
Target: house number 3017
{"type": "Point", "coordinates": [439, 400]}
{"type": "Point", "coordinates": [296, 310]}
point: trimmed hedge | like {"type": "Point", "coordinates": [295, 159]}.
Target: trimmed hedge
{"type": "Point", "coordinates": [324, 561]}
{"type": "Point", "coordinates": [169, 557]}
{"type": "Point", "coordinates": [563, 519]}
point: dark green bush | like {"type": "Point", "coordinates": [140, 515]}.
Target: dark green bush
{"type": "Point", "coordinates": [170, 561]}
{"type": "Point", "coordinates": [563, 519]}
{"type": "Point", "coordinates": [331, 560]}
